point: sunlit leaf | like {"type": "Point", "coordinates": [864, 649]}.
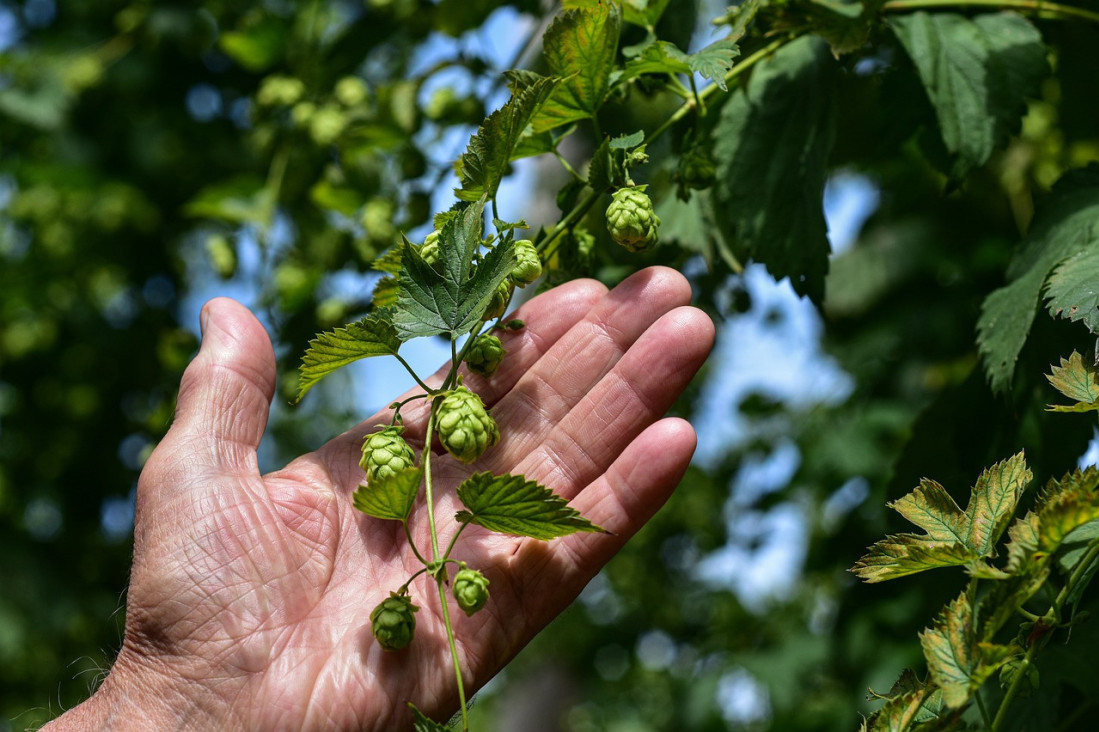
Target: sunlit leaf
{"type": "Point", "coordinates": [511, 504]}
{"type": "Point", "coordinates": [1066, 505]}
{"type": "Point", "coordinates": [579, 47]}
{"type": "Point", "coordinates": [482, 166]}
{"type": "Point", "coordinates": [952, 537]}
{"type": "Point", "coordinates": [389, 497]}
{"type": "Point", "coordinates": [905, 554]}
{"type": "Point", "coordinates": [371, 336]}
{"type": "Point", "coordinates": [1073, 289]}
{"type": "Point", "coordinates": [452, 301]}
{"type": "Point", "coordinates": [1076, 380]}
{"type": "Point", "coordinates": [958, 663]}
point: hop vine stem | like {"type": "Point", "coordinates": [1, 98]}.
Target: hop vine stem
{"type": "Point", "coordinates": [1052, 618]}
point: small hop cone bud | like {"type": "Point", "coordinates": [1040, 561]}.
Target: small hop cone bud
{"type": "Point", "coordinates": [385, 453]}
{"type": "Point", "coordinates": [499, 302]}
{"type": "Point", "coordinates": [631, 221]}
{"type": "Point", "coordinates": [470, 590]}
{"type": "Point", "coordinates": [528, 267]}
{"type": "Point", "coordinates": [1020, 667]}
{"type": "Point", "coordinates": [485, 355]}
{"type": "Point", "coordinates": [430, 253]}
{"type": "Point", "coordinates": [465, 427]}
{"type": "Point", "coordinates": [393, 621]}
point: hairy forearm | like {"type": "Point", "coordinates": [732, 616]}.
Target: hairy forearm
{"type": "Point", "coordinates": [135, 697]}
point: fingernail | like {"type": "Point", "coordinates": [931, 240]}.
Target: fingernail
{"type": "Point", "coordinates": [203, 317]}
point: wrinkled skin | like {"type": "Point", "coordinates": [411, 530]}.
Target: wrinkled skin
{"type": "Point", "coordinates": [250, 595]}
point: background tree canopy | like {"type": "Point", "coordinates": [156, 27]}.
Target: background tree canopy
{"type": "Point", "coordinates": [154, 154]}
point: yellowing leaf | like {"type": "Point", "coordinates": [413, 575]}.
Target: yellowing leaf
{"type": "Point", "coordinates": [1066, 505]}
{"type": "Point", "coordinates": [952, 537]}
{"type": "Point", "coordinates": [904, 554]}
{"type": "Point", "coordinates": [1076, 380]}
{"type": "Point", "coordinates": [957, 661]}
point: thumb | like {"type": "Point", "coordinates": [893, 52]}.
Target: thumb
{"type": "Point", "coordinates": [225, 394]}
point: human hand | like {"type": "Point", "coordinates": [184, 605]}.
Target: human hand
{"type": "Point", "coordinates": [250, 595]}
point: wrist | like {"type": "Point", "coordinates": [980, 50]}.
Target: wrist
{"type": "Point", "coordinates": [137, 696]}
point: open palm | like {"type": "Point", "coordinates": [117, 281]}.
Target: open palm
{"type": "Point", "coordinates": [250, 595]}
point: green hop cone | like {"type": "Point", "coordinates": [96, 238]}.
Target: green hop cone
{"type": "Point", "coordinates": [499, 302]}
{"type": "Point", "coordinates": [696, 170]}
{"type": "Point", "coordinates": [485, 354]}
{"type": "Point", "coordinates": [465, 427]}
{"type": "Point", "coordinates": [631, 220]}
{"type": "Point", "coordinates": [430, 253]}
{"type": "Point", "coordinates": [385, 453]}
{"type": "Point", "coordinates": [528, 267]}
{"type": "Point", "coordinates": [393, 621]}
{"type": "Point", "coordinates": [470, 590]}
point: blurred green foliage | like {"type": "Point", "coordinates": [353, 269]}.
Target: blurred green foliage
{"type": "Point", "coordinates": [151, 153]}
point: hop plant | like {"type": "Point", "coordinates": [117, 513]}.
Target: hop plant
{"type": "Point", "coordinates": [386, 453]}
{"type": "Point", "coordinates": [465, 427]}
{"type": "Point", "coordinates": [528, 267]}
{"type": "Point", "coordinates": [631, 220]}
{"type": "Point", "coordinates": [470, 590]}
{"type": "Point", "coordinates": [393, 621]}
{"type": "Point", "coordinates": [485, 354]}
{"type": "Point", "coordinates": [499, 302]}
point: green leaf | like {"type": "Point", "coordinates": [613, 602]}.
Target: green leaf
{"type": "Point", "coordinates": [256, 48]}
{"type": "Point", "coordinates": [644, 13]}
{"type": "Point", "coordinates": [1078, 381]}
{"type": "Point", "coordinates": [580, 48]}
{"type": "Point", "coordinates": [371, 336]}
{"type": "Point", "coordinates": [388, 262]}
{"type": "Point", "coordinates": [389, 497]}
{"type": "Point", "coordinates": [627, 142]}
{"type": "Point", "coordinates": [715, 60]}
{"type": "Point", "coordinates": [342, 199]}
{"type": "Point", "coordinates": [952, 537]}
{"type": "Point", "coordinates": [660, 57]}
{"type": "Point", "coordinates": [241, 200]}
{"type": "Point", "coordinates": [511, 504]}
{"type": "Point", "coordinates": [1063, 227]}
{"type": "Point", "coordinates": [958, 663]}
{"type": "Point", "coordinates": [978, 73]}
{"type": "Point", "coordinates": [423, 723]}
{"type": "Point", "coordinates": [430, 303]}
{"type": "Point", "coordinates": [771, 148]}
{"type": "Point", "coordinates": [1073, 288]}
{"type": "Point", "coordinates": [482, 166]}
